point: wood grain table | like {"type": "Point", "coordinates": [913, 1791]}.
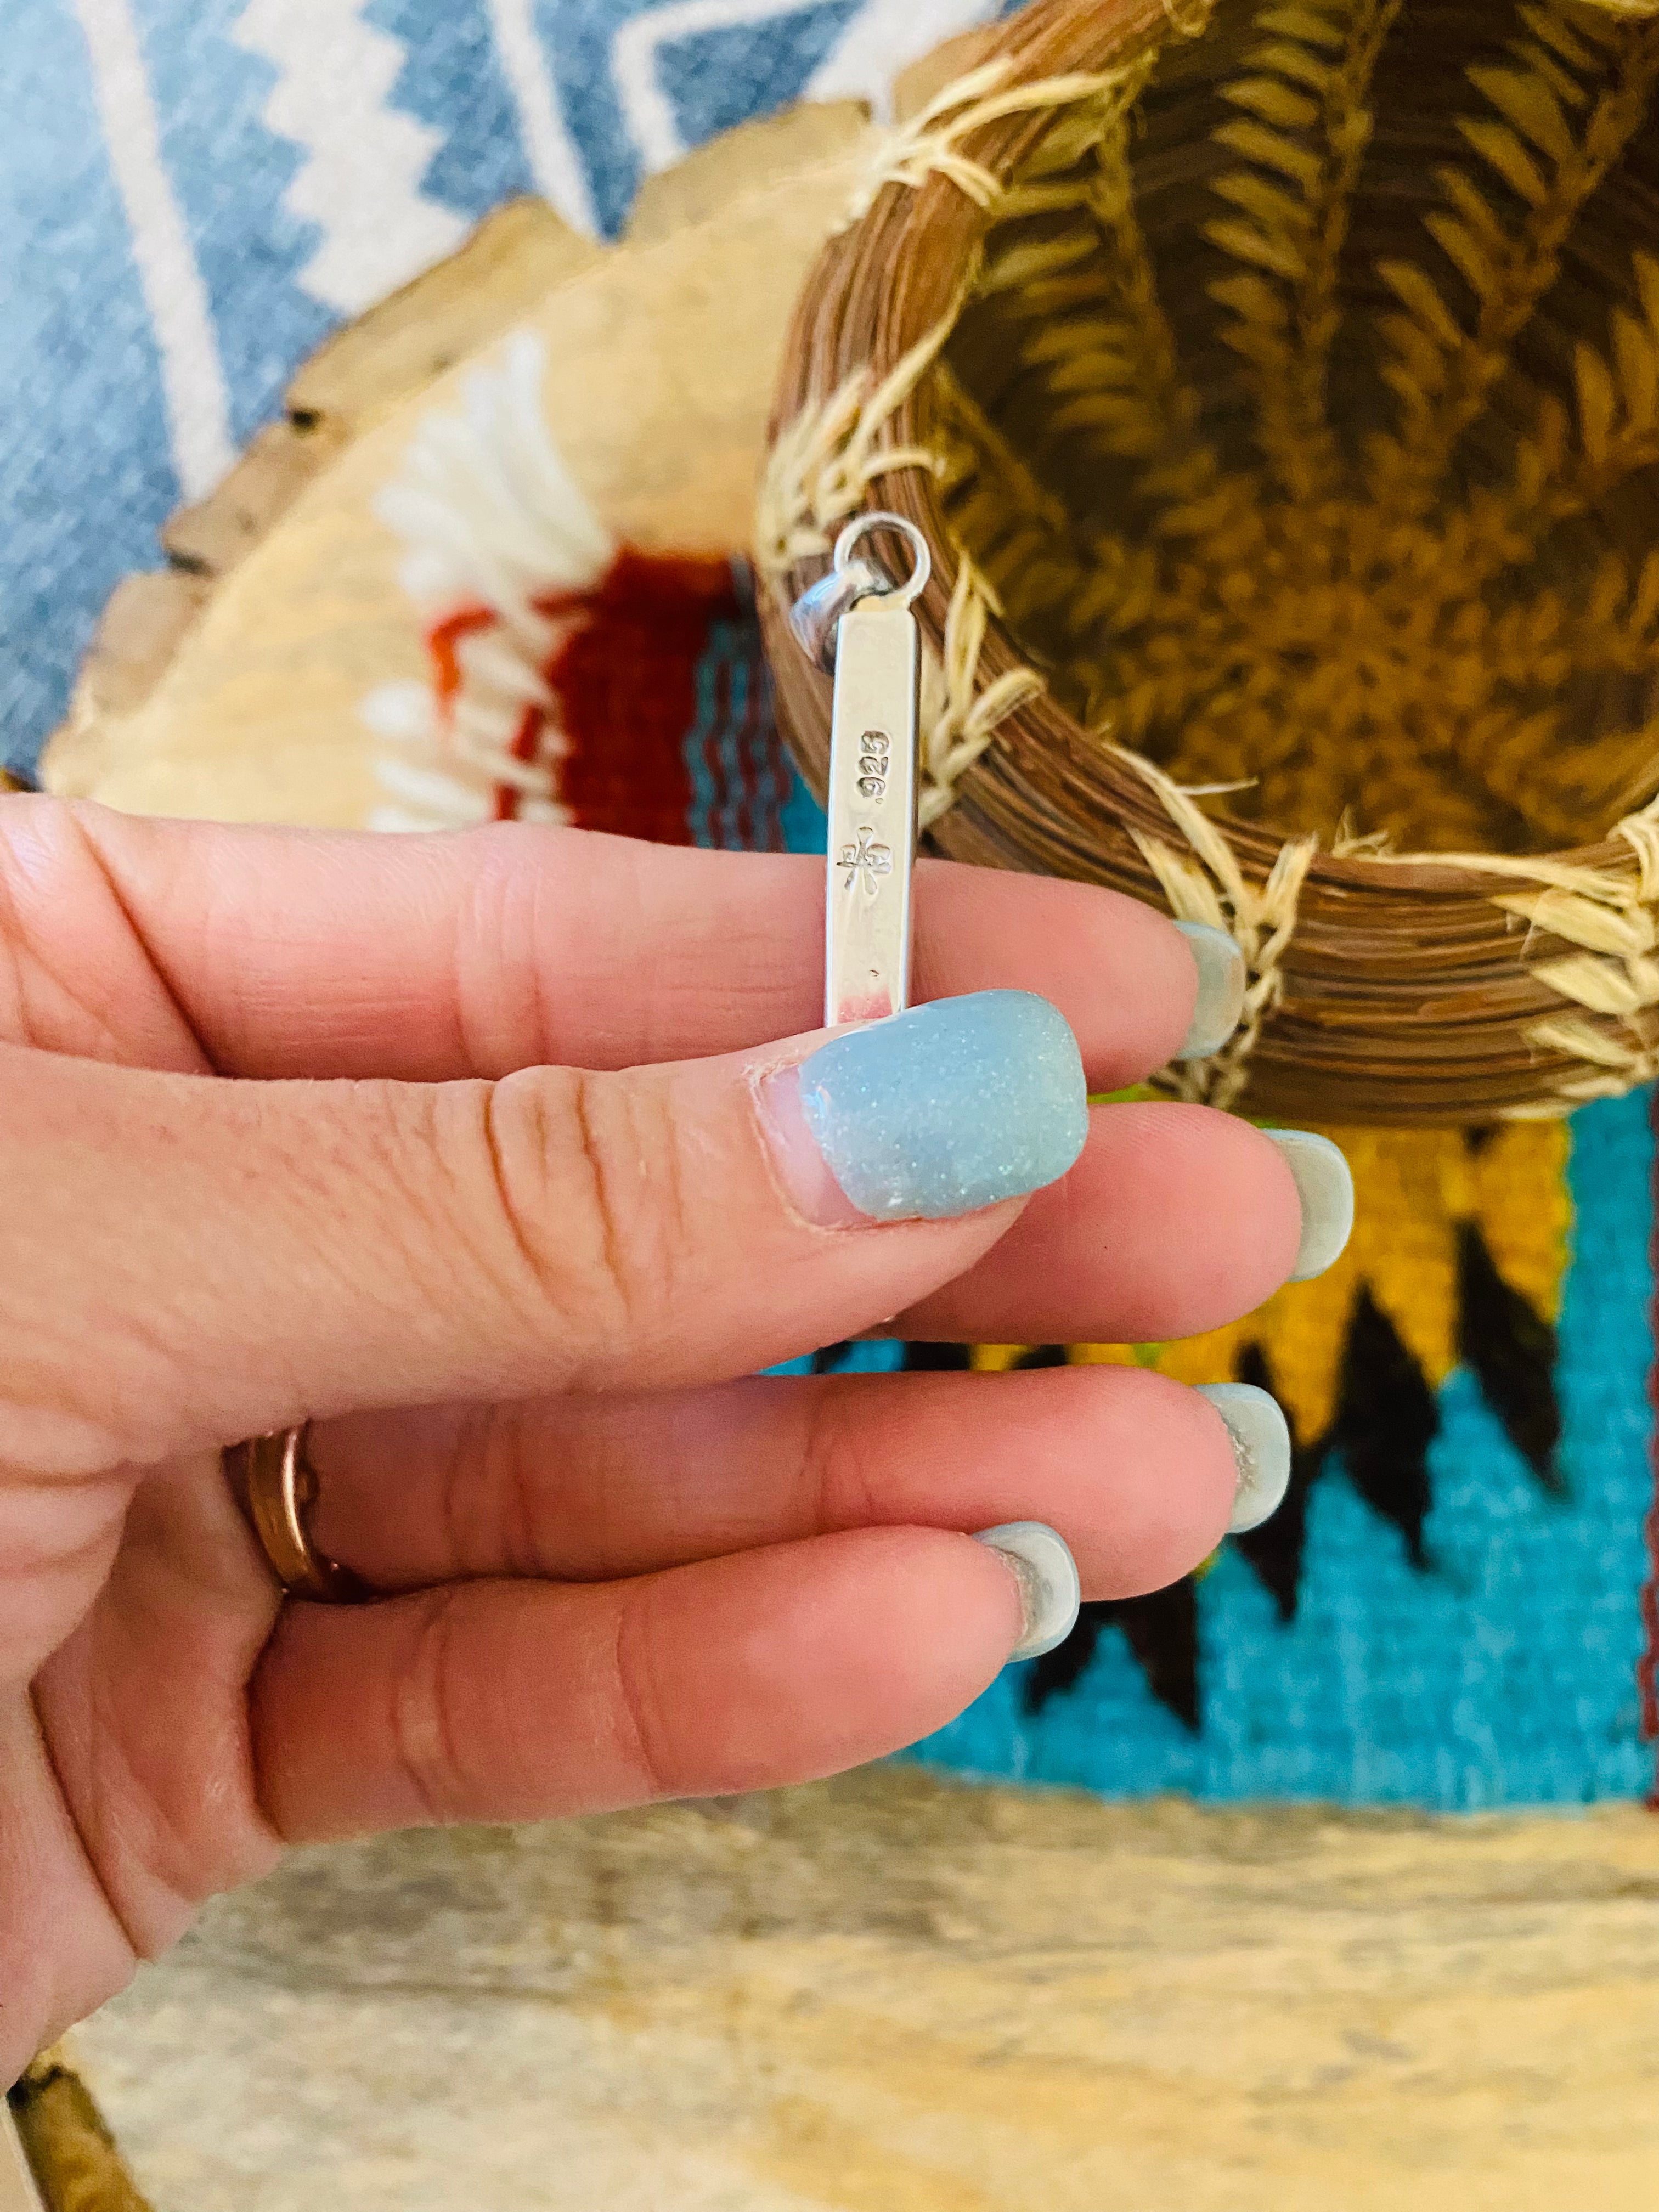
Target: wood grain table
{"type": "Point", "coordinates": [897, 1994]}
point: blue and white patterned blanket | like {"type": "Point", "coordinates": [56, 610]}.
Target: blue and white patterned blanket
{"type": "Point", "coordinates": [193, 193]}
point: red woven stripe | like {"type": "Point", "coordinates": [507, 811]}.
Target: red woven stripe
{"type": "Point", "coordinates": [625, 681]}
{"type": "Point", "coordinates": [527, 745]}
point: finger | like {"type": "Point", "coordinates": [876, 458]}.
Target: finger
{"type": "Point", "coordinates": [523, 1701]}
{"type": "Point", "coordinates": [1174, 1221]}
{"type": "Point", "coordinates": [186, 1260]}
{"type": "Point", "coordinates": [428, 958]}
{"type": "Point", "coordinates": [1137, 1473]}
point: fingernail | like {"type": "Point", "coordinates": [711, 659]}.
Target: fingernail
{"type": "Point", "coordinates": [1221, 980]}
{"type": "Point", "coordinates": [932, 1113]}
{"type": "Point", "coordinates": [1325, 1186]}
{"type": "Point", "coordinates": [1041, 1562]}
{"type": "Point", "coordinates": [1262, 1449]}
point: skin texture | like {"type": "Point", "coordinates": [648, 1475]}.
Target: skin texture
{"type": "Point", "coordinates": [489, 1202]}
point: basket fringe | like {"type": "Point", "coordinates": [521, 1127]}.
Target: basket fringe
{"type": "Point", "coordinates": [1613, 916]}
{"type": "Point", "coordinates": [1211, 887]}
{"type": "Point", "coordinates": [957, 725]}
{"type": "Point", "coordinates": [930, 144]}
{"type": "Point", "coordinates": [816, 475]}
{"type": "Point", "coordinates": [821, 465]}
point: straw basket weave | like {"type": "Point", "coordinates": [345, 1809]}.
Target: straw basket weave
{"type": "Point", "coordinates": [1277, 384]}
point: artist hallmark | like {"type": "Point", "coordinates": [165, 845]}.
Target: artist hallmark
{"type": "Point", "coordinates": [866, 861]}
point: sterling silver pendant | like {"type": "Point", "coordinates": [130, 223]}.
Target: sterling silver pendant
{"type": "Point", "coordinates": [859, 622]}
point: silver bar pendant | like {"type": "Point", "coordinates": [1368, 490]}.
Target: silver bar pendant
{"type": "Point", "coordinates": [872, 812]}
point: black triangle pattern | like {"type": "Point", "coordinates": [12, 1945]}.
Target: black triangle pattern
{"type": "Point", "coordinates": [1386, 1420]}
{"type": "Point", "coordinates": [1064, 1667]}
{"type": "Point", "coordinates": [1161, 1629]}
{"type": "Point", "coordinates": [1511, 1350]}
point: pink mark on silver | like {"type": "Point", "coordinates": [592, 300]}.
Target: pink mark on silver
{"type": "Point", "coordinates": [875, 1008]}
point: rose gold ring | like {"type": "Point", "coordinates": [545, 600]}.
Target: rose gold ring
{"type": "Point", "coordinates": [275, 1485]}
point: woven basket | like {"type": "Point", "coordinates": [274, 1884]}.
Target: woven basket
{"type": "Point", "coordinates": [1278, 385]}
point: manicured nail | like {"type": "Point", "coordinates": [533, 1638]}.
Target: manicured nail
{"type": "Point", "coordinates": [1221, 980]}
{"type": "Point", "coordinates": [1041, 1562]}
{"type": "Point", "coordinates": [1262, 1449]}
{"type": "Point", "coordinates": [1325, 1186]}
{"type": "Point", "coordinates": [930, 1114]}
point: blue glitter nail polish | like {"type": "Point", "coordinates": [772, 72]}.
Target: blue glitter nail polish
{"type": "Point", "coordinates": [950, 1107]}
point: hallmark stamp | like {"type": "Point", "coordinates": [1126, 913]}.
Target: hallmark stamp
{"type": "Point", "coordinates": [866, 861]}
{"type": "Point", "coordinates": [875, 752]}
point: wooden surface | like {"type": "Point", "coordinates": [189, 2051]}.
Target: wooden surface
{"type": "Point", "coordinates": [895, 1995]}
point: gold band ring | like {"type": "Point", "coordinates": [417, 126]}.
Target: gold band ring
{"type": "Point", "coordinates": [275, 1485]}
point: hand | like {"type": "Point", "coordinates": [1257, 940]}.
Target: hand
{"type": "Point", "coordinates": [293, 1128]}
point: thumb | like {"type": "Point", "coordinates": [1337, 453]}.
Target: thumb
{"type": "Point", "coordinates": [186, 1260]}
